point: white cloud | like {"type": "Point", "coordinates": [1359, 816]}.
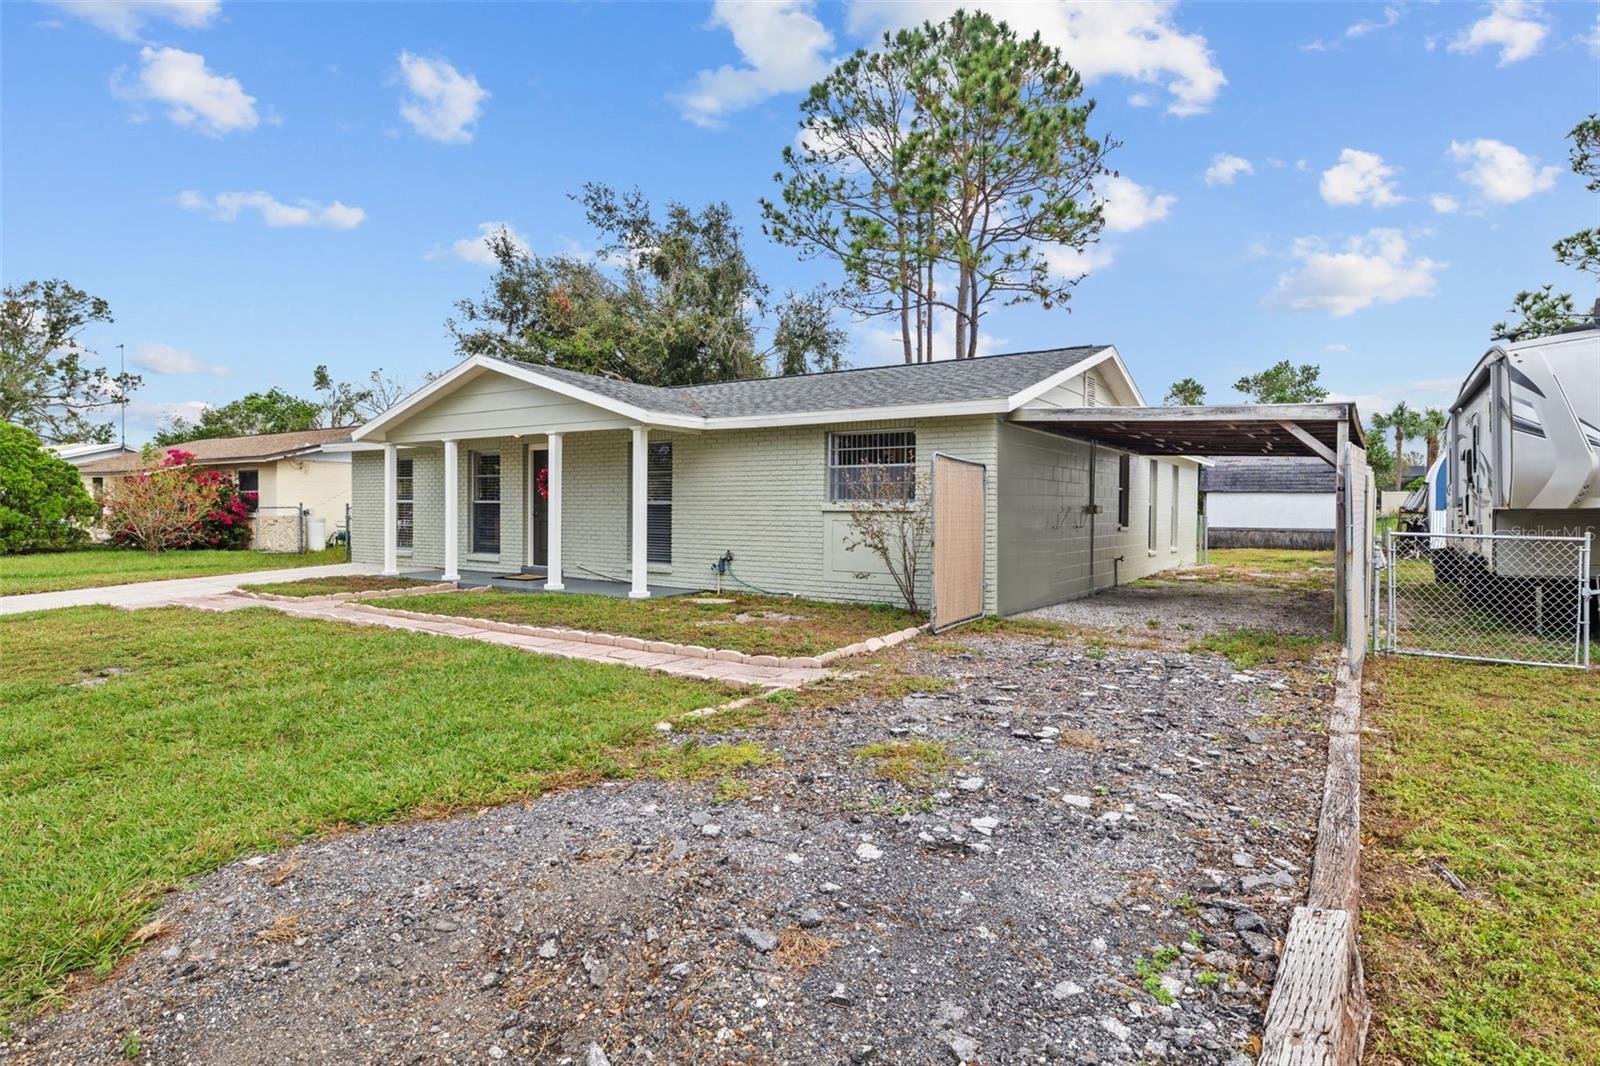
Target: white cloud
{"type": "Point", "coordinates": [126, 18]}
{"type": "Point", "coordinates": [1130, 206]}
{"type": "Point", "coordinates": [1516, 27]}
{"type": "Point", "coordinates": [1224, 168]}
{"type": "Point", "coordinates": [1135, 39]}
{"type": "Point", "coordinates": [443, 103]}
{"type": "Point", "coordinates": [1375, 268]}
{"type": "Point", "coordinates": [1592, 38]}
{"type": "Point", "coordinates": [475, 249]}
{"type": "Point", "coordinates": [1391, 15]}
{"type": "Point", "coordinates": [1071, 262]}
{"type": "Point", "coordinates": [1359, 178]}
{"type": "Point", "coordinates": [227, 206]}
{"type": "Point", "coordinates": [1444, 204]}
{"type": "Point", "coordinates": [195, 96]}
{"type": "Point", "coordinates": [784, 48]}
{"type": "Point", "coordinates": [1503, 174]}
{"type": "Point", "coordinates": [165, 359]}
{"type": "Point", "coordinates": [154, 413]}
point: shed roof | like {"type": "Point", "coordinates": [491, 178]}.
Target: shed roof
{"type": "Point", "coordinates": [215, 451]}
{"type": "Point", "coordinates": [1246, 473]}
{"type": "Point", "coordinates": [1285, 429]}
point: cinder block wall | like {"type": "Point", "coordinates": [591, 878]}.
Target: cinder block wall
{"type": "Point", "coordinates": [1045, 535]}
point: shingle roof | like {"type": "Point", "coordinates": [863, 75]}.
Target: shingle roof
{"type": "Point", "coordinates": [1247, 473]}
{"type": "Point", "coordinates": [947, 381]}
{"type": "Point", "coordinates": [256, 448]}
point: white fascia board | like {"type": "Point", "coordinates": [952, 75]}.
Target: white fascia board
{"type": "Point", "coordinates": [529, 375]}
{"type": "Point", "coordinates": [352, 446]}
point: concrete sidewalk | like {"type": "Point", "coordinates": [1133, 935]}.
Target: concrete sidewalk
{"type": "Point", "coordinates": [159, 593]}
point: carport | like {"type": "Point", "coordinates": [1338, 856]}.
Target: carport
{"type": "Point", "coordinates": [1330, 431]}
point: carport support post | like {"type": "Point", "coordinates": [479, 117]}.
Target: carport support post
{"type": "Point", "coordinates": [552, 514]}
{"type": "Point", "coordinates": [391, 522]}
{"type": "Point", "coordinates": [1341, 533]}
{"type": "Point", "coordinates": [452, 507]}
{"type": "Point", "coordinates": [641, 470]}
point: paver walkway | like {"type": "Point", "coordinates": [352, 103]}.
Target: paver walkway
{"type": "Point", "coordinates": [686, 665]}
{"type": "Point", "coordinates": [158, 593]}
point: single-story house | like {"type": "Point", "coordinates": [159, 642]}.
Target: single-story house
{"type": "Point", "coordinates": [1269, 502]}
{"type": "Point", "coordinates": [500, 467]}
{"type": "Point", "coordinates": [79, 453]}
{"type": "Point", "coordinates": [284, 470]}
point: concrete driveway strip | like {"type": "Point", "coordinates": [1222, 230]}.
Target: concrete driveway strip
{"type": "Point", "coordinates": [154, 593]}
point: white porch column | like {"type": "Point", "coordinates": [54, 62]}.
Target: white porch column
{"type": "Point", "coordinates": [552, 514]}
{"type": "Point", "coordinates": [391, 521]}
{"type": "Point", "coordinates": [641, 473]}
{"type": "Point", "coordinates": [452, 511]}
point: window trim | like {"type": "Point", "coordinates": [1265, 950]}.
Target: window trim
{"type": "Point", "coordinates": [473, 502]}
{"type": "Point", "coordinates": [252, 504]}
{"type": "Point", "coordinates": [653, 504]}
{"type": "Point", "coordinates": [405, 504]}
{"type": "Point", "coordinates": [832, 466]}
{"type": "Point", "coordinates": [1124, 490]}
{"type": "Point", "coordinates": [1172, 511]}
{"type": "Point", "coordinates": [1153, 506]}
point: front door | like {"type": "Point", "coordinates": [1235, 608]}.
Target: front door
{"type": "Point", "coordinates": [541, 508]}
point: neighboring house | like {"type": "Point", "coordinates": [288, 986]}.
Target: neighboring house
{"type": "Point", "coordinates": [1261, 502]}
{"type": "Point", "coordinates": [284, 470]}
{"type": "Point", "coordinates": [501, 467]}
{"type": "Point", "coordinates": [79, 453]}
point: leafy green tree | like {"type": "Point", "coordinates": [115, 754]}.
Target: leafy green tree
{"type": "Point", "coordinates": [960, 146]}
{"type": "Point", "coordinates": [556, 311]}
{"type": "Point", "coordinates": [687, 287]}
{"type": "Point", "coordinates": [47, 382]}
{"type": "Point", "coordinates": [1380, 459]}
{"type": "Point", "coordinates": [1405, 423]}
{"type": "Point", "coordinates": [806, 339]}
{"type": "Point", "coordinates": [43, 504]}
{"type": "Point", "coordinates": [1185, 393]}
{"type": "Point", "coordinates": [1430, 426]}
{"type": "Point", "coordinates": [273, 411]}
{"type": "Point", "coordinates": [1544, 311]}
{"type": "Point", "coordinates": [1283, 382]}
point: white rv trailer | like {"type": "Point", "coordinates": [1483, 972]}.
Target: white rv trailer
{"type": "Point", "coordinates": [1524, 452]}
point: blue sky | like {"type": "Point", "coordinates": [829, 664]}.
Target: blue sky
{"type": "Point", "coordinates": [258, 188]}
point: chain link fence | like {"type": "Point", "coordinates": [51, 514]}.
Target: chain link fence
{"type": "Point", "coordinates": [1505, 598]}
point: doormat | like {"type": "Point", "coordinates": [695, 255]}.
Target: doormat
{"type": "Point", "coordinates": [523, 577]}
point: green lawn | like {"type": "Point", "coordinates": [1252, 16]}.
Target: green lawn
{"type": "Point", "coordinates": [140, 748]}
{"type": "Point", "coordinates": [1493, 773]}
{"type": "Point", "coordinates": [327, 586]}
{"type": "Point", "coordinates": [756, 625]}
{"type": "Point", "coordinates": [95, 567]}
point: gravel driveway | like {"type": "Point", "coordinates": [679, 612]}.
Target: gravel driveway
{"type": "Point", "coordinates": [1107, 805]}
{"type": "Point", "coordinates": [1184, 608]}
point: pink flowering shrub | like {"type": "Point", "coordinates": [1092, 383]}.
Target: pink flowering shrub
{"type": "Point", "coordinates": [178, 505]}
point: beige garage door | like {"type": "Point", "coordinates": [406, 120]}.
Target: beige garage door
{"type": "Point", "coordinates": [958, 540]}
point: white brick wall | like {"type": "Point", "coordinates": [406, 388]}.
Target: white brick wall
{"type": "Point", "coordinates": [762, 494]}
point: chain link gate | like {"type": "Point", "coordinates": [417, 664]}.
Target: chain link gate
{"type": "Point", "coordinates": [1504, 598]}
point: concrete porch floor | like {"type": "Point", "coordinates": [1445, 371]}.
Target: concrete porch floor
{"type": "Point", "coordinates": [471, 579]}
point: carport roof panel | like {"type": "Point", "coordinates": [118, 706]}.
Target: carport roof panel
{"type": "Point", "coordinates": [1254, 429]}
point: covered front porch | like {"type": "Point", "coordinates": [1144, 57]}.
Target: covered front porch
{"type": "Point", "coordinates": [497, 475]}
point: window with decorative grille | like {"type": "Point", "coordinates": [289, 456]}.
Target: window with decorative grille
{"type": "Point", "coordinates": [404, 515]}
{"type": "Point", "coordinates": [658, 503]}
{"type": "Point", "coordinates": [486, 503]}
{"type": "Point", "coordinates": [868, 466]}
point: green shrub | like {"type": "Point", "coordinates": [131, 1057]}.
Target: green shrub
{"type": "Point", "coordinates": [43, 504]}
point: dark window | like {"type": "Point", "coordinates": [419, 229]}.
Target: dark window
{"type": "Point", "coordinates": [99, 485]}
{"type": "Point", "coordinates": [872, 466]}
{"type": "Point", "coordinates": [403, 504]}
{"type": "Point", "coordinates": [486, 503]}
{"type": "Point", "coordinates": [250, 488]}
{"type": "Point", "coordinates": [658, 503]}
{"type": "Point", "coordinates": [1124, 497]}
{"type": "Point", "coordinates": [1155, 499]}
